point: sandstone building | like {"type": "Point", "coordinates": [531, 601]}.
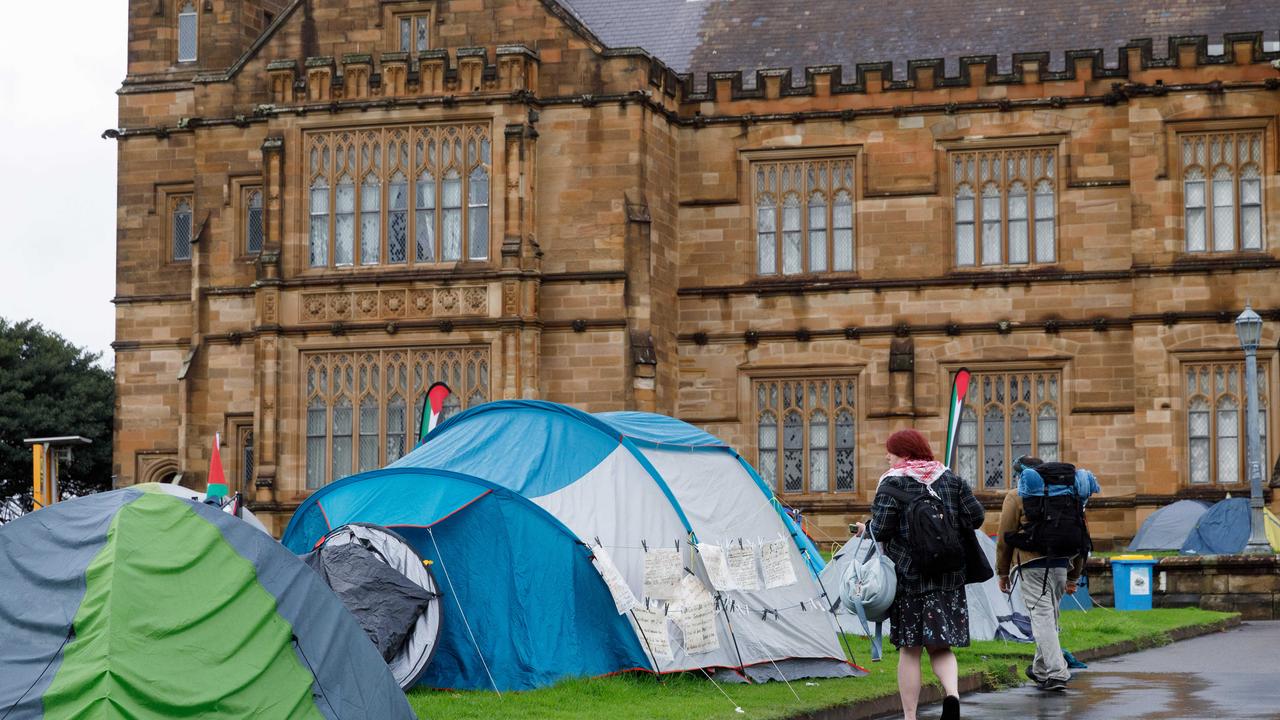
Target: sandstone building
{"type": "Point", "coordinates": [728, 211]}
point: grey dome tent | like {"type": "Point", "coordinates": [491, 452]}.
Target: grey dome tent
{"type": "Point", "coordinates": [392, 592]}
{"type": "Point", "coordinates": [1168, 527]}
{"type": "Point", "coordinates": [1222, 530]}
{"type": "Point", "coordinates": [992, 614]}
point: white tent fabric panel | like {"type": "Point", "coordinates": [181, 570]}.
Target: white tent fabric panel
{"type": "Point", "coordinates": [724, 504]}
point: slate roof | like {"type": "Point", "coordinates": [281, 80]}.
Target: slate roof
{"type": "Point", "coordinates": [701, 36]}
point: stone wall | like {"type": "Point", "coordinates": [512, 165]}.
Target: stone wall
{"type": "Point", "coordinates": [1249, 585]}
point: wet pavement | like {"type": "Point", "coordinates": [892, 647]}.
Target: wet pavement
{"type": "Point", "coordinates": [1233, 675]}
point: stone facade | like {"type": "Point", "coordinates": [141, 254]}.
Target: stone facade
{"type": "Point", "coordinates": [622, 267]}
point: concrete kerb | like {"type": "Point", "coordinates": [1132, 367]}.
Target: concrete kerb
{"type": "Point", "coordinates": [978, 681]}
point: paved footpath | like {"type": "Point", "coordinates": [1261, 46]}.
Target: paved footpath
{"type": "Point", "coordinates": [1234, 675]}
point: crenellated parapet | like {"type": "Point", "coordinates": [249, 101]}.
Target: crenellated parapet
{"type": "Point", "coordinates": [1187, 60]}
{"type": "Point", "coordinates": [432, 73]}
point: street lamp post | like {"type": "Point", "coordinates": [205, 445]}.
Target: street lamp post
{"type": "Point", "coordinates": [1249, 330]}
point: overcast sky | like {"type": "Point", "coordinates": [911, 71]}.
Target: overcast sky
{"type": "Point", "coordinates": [59, 69]}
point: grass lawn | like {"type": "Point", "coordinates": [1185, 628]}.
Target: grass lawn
{"type": "Point", "coordinates": [689, 697]}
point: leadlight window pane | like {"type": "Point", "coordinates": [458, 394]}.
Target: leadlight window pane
{"type": "Point", "coordinates": [1193, 199]}
{"type": "Point", "coordinates": [1020, 432]}
{"type": "Point", "coordinates": [316, 465]}
{"type": "Point", "coordinates": [792, 453]}
{"type": "Point", "coordinates": [319, 224]}
{"type": "Point", "coordinates": [370, 221]}
{"type": "Point", "coordinates": [395, 428]}
{"type": "Point", "coordinates": [1224, 214]}
{"type": "Point", "coordinates": [845, 450]}
{"type": "Point", "coordinates": [369, 435]}
{"type": "Point", "coordinates": [766, 236]}
{"type": "Point", "coordinates": [792, 248]}
{"type": "Point", "coordinates": [1250, 208]}
{"type": "Point", "coordinates": [819, 441]}
{"type": "Point", "coordinates": [1198, 440]}
{"type": "Point", "coordinates": [187, 32]}
{"type": "Point", "coordinates": [253, 222]}
{"type": "Point", "coordinates": [344, 222]}
{"type": "Point", "coordinates": [767, 439]}
{"type": "Point", "coordinates": [817, 233]}
{"type": "Point", "coordinates": [967, 446]}
{"type": "Point", "coordinates": [425, 221]}
{"type": "Point", "coordinates": [1045, 251]}
{"type": "Point", "coordinates": [451, 205]}
{"type": "Point", "coordinates": [842, 232]}
{"type": "Point", "coordinates": [246, 461]}
{"type": "Point", "coordinates": [993, 449]}
{"type": "Point", "coordinates": [991, 251]}
{"type": "Point", "coordinates": [422, 38]}
{"type": "Point", "coordinates": [406, 34]}
{"type": "Point", "coordinates": [398, 220]}
{"type": "Point", "coordinates": [182, 230]}
{"type": "Point", "coordinates": [1047, 434]}
{"type": "Point", "coordinates": [341, 462]}
{"type": "Point", "coordinates": [478, 214]}
{"type": "Point", "coordinates": [1018, 250]}
{"type": "Point", "coordinates": [1228, 445]}
{"type": "Point", "coordinates": [964, 227]}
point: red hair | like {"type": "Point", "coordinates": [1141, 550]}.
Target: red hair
{"type": "Point", "coordinates": [909, 444]}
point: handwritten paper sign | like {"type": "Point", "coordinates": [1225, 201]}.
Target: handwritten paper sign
{"type": "Point", "coordinates": [713, 559]}
{"type": "Point", "coordinates": [696, 617]}
{"type": "Point", "coordinates": [653, 630]}
{"type": "Point", "coordinates": [623, 598]}
{"type": "Point", "coordinates": [662, 571]}
{"type": "Point", "coordinates": [742, 568]}
{"type": "Point", "coordinates": [775, 560]}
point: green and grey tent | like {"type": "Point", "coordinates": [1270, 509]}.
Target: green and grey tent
{"type": "Point", "coordinates": [135, 603]}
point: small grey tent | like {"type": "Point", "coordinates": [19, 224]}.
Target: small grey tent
{"type": "Point", "coordinates": [389, 588]}
{"type": "Point", "coordinates": [1168, 527]}
{"type": "Point", "coordinates": [991, 612]}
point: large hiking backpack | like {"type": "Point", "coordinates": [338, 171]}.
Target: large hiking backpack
{"type": "Point", "coordinates": [1055, 525]}
{"type": "Point", "coordinates": [935, 542]}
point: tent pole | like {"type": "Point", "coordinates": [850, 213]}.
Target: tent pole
{"type": "Point", "coordinates": [742, 667]}
{"type": "Point", "coordinates": [656, 665]}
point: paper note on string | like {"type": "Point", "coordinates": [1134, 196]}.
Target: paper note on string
{"type": "Point", "coordinates": [653, 630]}
{"type": "Point", "coordinates": [775, 560]}
{"type": "Point", "coordinates": [742, 568]}
{"type": "Point", "coordinates": [713, 559]}
{"type": "Point", "coordinates": [695, 615]}
{"type": "Point", "coordinates": [662, 570]}
{"type": "Point", "coordinates": [623, 598]}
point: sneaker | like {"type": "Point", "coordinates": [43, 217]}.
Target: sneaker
{"type": "Point", "coordinates": [1053, 685]}
{"type": "Point", "coordinates": [951, 708]}
{"type": "Point", "coordinates": [1033, 677]}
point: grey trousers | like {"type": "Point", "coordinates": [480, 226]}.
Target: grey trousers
{"type": "Point", "coordinates": [1042, 596]}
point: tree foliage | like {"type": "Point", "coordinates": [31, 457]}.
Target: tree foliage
{"type": "Point", "coordinates": [50, 387]}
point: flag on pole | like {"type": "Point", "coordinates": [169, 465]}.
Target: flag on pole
{"type": "Point", "coordinates": [431, 410]}
{"type": "Point", "coordinates": [959, 387]}
{"type": "Point", "coordinates": [217, 485]}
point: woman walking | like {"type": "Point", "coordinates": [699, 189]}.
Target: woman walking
{"type": "Point", "coordinates": [929, 611]}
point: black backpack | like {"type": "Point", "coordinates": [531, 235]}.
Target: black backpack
{"type": "Point", "coordinates": [1055, 525]}
{"type": "Point", "coordinates": [935, 541]}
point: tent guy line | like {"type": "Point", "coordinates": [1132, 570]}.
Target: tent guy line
{"type": "Point", "coordinates": [462, 612]}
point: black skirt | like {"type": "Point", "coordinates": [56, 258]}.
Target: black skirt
{"type": "Point", "coordinates": [931, 619]}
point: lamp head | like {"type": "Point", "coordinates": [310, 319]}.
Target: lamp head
{"type": "Point", "coordinates": [1249, 328]}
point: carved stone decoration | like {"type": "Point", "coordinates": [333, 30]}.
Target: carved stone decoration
{"type": "Point", "coordinates": [447, 300]}
{"type": "Point", "coordinates": [313, 307]}
{"type": "Point", "coordinates": [393, 303]}
{"type": "Point", "coordinates": [340, 306]}
{"type": "Point", "coordinates": [476, 299]}
{"type": "Point", "coordinates": [509, 306]}
{"type": "Point", "coordinates": [269, 308]}
{"type": "Point", "coordinates": [367, 304]}
{"type": "Point", "coordinates": [422, 302]}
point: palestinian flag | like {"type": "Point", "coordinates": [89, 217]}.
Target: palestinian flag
{"type": "Point", "coordinates": [431, 410]}
{"type": "Point", "coordinates": [217, 487]}
{"type": "Point", "coordinates": [959, 387]}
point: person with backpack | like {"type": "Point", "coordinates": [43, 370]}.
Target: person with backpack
{"type": "Point", "coordinates": [1044, 541]}
{"type": "Point", "coordinates": [920, 511]}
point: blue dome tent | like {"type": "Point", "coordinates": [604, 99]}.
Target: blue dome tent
{"type": "Point", "coordinates": [513, 498]}
{"type": "Point", "coordinates": [1222, 530]}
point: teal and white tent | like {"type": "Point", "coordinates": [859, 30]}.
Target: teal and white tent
{"type": "Point", "coordinates": [527, 505]}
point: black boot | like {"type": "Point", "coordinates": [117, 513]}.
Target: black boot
{"type": "Point", "coordinates": [951, 708]}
